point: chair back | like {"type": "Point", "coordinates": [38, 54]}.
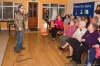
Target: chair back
{"type": "Point", "coordinates": [52, 24]}
{"type": "Point", "coordinates": [43, 27]}
{"type": "Point", "coordinates": [65, 26]}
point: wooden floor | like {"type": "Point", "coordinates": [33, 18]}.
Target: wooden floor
{"type": "Point", "coordinates": [44, 52]}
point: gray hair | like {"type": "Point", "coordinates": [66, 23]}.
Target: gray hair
{"type": "Point", "coordinates": [83, 23]}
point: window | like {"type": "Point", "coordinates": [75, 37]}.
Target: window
{"type": "Point", "coordinates": [8, 12]}
{"type": "Point", "coordinates": [8, 9]}
{"type": "Point", "coordinates": [7, 3]}
{"type": "Point", "coordinates": [50, 10]}
{"type": "Point", "coordinates": [62, 11]}
{"type": "Point", "coordinates": [0, 11]}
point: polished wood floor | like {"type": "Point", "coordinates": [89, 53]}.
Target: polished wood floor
{"type": "Point", "coordinates": [42, 50]}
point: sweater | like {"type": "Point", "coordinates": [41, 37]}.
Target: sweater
{"type": "Point", "coordinates": [67, 21]}
{"type": "Point", "coordinates": [59, 24]}
{"type": "Point", "coordinates": [90, 38]}
{"type": "Point", "coordinates": [70, 30]}
{"type": "Point", "coordinates": [97, 51]}
{"type": "Point", "coordinates": [79, 33]}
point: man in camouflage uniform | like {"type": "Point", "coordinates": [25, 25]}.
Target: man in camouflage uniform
{"type": "Point", "coordinates": [19, 24]}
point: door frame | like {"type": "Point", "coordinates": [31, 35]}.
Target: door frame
{"type": "Point", "coordinates": [38, 10]}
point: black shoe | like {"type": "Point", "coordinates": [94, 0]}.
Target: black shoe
{"type": "Point", "coordinates": [60, 48]}
{"type": "Point", "coordinates": [71, 61]}
{"type": "Point", "coordinates": [74, 64]}
{"type": "Point", "coordinates": [68, 56]}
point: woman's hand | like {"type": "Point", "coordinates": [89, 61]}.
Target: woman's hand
{"type": "Point", "coordinates": [74, 37]}
{"type": "Point", "coordinates": [96, 46]}
{"type": "Point", "coordinates": [99, 39]}
{"type": "Point", "coordinates": [82, 40]}
{"type": "Point", "coordinates": [64, 34]}
{"type": "Point", "coordinates": [56, 24]}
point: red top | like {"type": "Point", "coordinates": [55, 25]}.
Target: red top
{"type": "Point", "coordinates": [59, 23]}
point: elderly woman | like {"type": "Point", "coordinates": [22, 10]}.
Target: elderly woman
{"type": "Point", "coordinates": [92, 52]}
{"type": "Point", "coordinates": [78, 20]}
{"type": "Point", "coordinates": [68, 32]}
{"type": "Point", "coordinates": [76, 37]}
{"type": "Point", "coordinates": [97, 20]}
{"type": "Point", "coordinates": [86, 42]}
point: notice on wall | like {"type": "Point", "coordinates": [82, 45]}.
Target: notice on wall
{"type": "Point", "coordinates": [83, 9]}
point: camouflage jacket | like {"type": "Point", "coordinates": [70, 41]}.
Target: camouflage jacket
{"type": "Point", "coordinates": [19, 21]}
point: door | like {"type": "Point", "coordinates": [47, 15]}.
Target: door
{"type": "Point", "coordinates": [33, 15]}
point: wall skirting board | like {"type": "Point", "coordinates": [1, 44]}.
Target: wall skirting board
{"type": "Point", "coordinates": [3, 28]}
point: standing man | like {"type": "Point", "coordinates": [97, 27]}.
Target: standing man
{"type": "Point", "coordinates": [19, 24]}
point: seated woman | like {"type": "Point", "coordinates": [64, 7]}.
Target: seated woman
{"type": "Point", "coordinates": [76, 37]}
{"type": "Point", "coordinates": [58, 26]}
{"type": "Point", "coordinates": [87, 41]}
{"type": "Point", "coordinates": [92, 52]}
{"type": "Point", "coordinates": [97, 55]}
{"type": "Point", "coordinates": [97, 11]}
{"type": "Point", "coordinates": [66, 20]}
{"type": "Point", "coordinates": [78, 20]}
{"type": "Point", "coordinates": [71, 17]}
{"type": "Point", "coordinates": [97, 20]}
{"type": "Point", "coordinates": [83, 18]}
{"type": "Point", "coordinates": [68, 32]}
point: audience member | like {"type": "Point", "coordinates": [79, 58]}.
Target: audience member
{"type": "Point", "coordinates": [58, 26]}
{"type": "Point", "coordinates": [66, 20]}
{"type": "Point", "coordinates": [87, 41]}
{"type": "Point", "coordinates": [92, 53]}
{"type": "Point", "coordinates": [76, 37]}
{"type": "Point", "coordinates": [68, 32]}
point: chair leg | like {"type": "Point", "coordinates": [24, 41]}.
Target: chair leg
{"type": "Point", "coordinates": [84, 54]}
{"type": "Point", "coordinates": [46, 40]}
{"type": "Point", "coordinates": [0, 29]}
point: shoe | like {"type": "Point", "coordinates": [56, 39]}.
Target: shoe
{"type": "Point", "coordinates": [71, 61]}
{"type": "Point", "coordinates": [74, 64]}
{"type": "Point", "coordinates": [22, 48]}
{"type": "Point", "coordinates": [53, 39]}
{"type": "Point", "coordinates": [65, 50]}
{"type": "Point", "coordinates": [17, 51]}
{"type": "Point", "coordinates": [60, 48]}
{"type": "Point", "coordinates": [68, 56]}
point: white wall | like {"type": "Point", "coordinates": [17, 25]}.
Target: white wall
{"type": "Point", "coordinates": [71, 2]}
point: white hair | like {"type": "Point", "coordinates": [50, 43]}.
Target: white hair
{"type": "Point", "coordinates": [83, 23]}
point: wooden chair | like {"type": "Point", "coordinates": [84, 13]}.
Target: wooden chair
{"type": "Point", "coordinates": [11, 27]}
{"type": "Point", "coordinates": [43, 29]}
{"type": "Point", "coordinates": [65, 27]}
{"type": "Point", "coordinates": [51, 25]}
{"type": "Point", "coordinates": [0, 29]}
{"type": "Point", "coordinates": [84, 54]}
